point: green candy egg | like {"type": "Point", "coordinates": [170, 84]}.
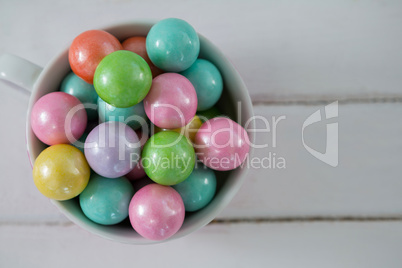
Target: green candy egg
{"type": "Point", "coordinates": [122, 79]}
{"type": "Point", "coordinates": [168, 158]}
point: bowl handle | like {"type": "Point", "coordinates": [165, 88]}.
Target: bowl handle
{"type": "Point", "coordinates": [19, 71]}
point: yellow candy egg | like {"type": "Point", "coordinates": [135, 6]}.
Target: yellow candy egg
{"type": "Point", "coordinates": [188, 130]}
{"type": "Point", "coordinates": [61, 172]}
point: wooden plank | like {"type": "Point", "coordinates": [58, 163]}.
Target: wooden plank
{"type": "Point", "coordinates": [362, 244]}
{"type": "Point", "coordinates": [366, 182]}
{"type": "Point", "coordinates": [285, 50]}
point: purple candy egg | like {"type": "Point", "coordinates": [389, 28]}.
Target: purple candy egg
{"type": "Point", "coordinates": [112, 149]}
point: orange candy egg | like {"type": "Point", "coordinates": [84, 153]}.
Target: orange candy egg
{"type": "Point", "coordinates": [88, 49]}
{"type": "Point", "coordinates": [136, 44]}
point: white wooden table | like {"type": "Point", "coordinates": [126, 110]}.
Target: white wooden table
{"type": "Point", "coordinates": [295, 57]}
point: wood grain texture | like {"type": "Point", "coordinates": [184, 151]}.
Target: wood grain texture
{"type": "Point", "coordinates": [347, 245]}
{"type": "Point", "coordinates": [365, 183]}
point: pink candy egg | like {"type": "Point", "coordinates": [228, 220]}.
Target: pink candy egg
{"type": "Point", "coordinates": [156, 211]}
{"type": "Point", "coordinates": [58, 118]}
{"type": "Point", "coordinates": [222, 144]}
{"type": "Point", "coordinates": [171, 102]}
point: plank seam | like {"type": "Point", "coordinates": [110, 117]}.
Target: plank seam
{"type": "Point", "coordinates": [258, 100]}
{"type": "Point", "coordinates": [238, 220]}
{"type": "Point", "coordinates": [307, 219]}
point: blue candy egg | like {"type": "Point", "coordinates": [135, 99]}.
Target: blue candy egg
{"type": "Point", "coordinates": [133, 116]}
{"type": "Point", "coordinates": [172, 45]}
{"type": "Point", "coordinates": [105, 201]}
{"type": "Point", "coordinates": [83, 91]}
{"type": "Point", "coordinates": [207, 81]}
{"type": "Point", "coordinates": [198, 189]}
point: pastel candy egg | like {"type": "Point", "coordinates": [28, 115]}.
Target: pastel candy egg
{"type": "Point", "coordinates": [198, 189]}
{"type": "Point", "coordinates": [122, 79]}
{"type": "Point", "coordinates": [168, 158]}
{"type": "Point", "coordinates": [61, 172]}
{"type": "Point", "coordinates": [188, 130]}
{"type": "Point", "coordinates": [137, 45]}
{"type": "Point", "coordinates": [222, 144]}
{"type": "Point", "coordinates": [173, 45]}
{"type": "Point", "coordinates": [133, 116]}
{"type": "Point", "coordinates": [156, 212]}
{"type": "Point", "coordinates": [171, 102]}
{"type": "Point", "coordinates": [83, 91]}
{"type": "Point", "coordinates": [112, 149]}
{"type": "Point", "coordinates": [88, 49]}
{"type": "Point", "coordinates": [57, 118]}
{"type": "Point", "coordinates": [105, 201]}
{"type": "Point", "coordinates": [207, 81]}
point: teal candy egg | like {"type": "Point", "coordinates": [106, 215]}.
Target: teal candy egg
{"type": "Point", "coordinates": [198, 189]}
{"type": "Point", "coordinates": [172, 45]}
{"type": "Point", "coordinates": [207, 81]}
{"type": "Point", "coordinates": [133, 116]}
{"type": "Point", "coordinates": [105, 201]}
{"type": "Point", "coordinates": [83, 91]}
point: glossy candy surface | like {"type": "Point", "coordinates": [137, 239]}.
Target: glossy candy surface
{"type": "Point", "coordinates": [88, 49]}
{"type": "Point", "coordinates": [110, 149]}
{"type": "Point", "coordinates": [171, 102]}
{"type": "Point", "coordinates": [188, 130]}
{"type": "Point", "coordinates": [222, 144]}
{"type": "Point", "coordinates": [198, 189]}
{"type": "Point", "coordinates": [207, 81]}
{"type": "Point", "coordinates": [156, 212]}
{"type": "Point", "coordinates": [137, 45]}
{"type": "Point", "coordinates": [83, 91]}
{"type": "Point", "coordinates": [133, 116]}
{"type": "Point", "coordinates": [168, 158]}
{"type": "Point", "coordinates": [105, 201]}
{"type": "Point", "coordinates": [122, 79]}
{"type": "Point", "coordinates": [61, 172]}
{"type": "Point", "coordinates": [173, 45]}
{"type": "Point", "coordinates": [53, 123]}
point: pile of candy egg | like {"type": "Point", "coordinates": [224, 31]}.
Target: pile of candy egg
{"type": "Point", "coordinates": [97, 129]}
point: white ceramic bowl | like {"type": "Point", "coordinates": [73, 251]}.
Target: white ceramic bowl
{"type": "Point", "coordinates": [235, 102]}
